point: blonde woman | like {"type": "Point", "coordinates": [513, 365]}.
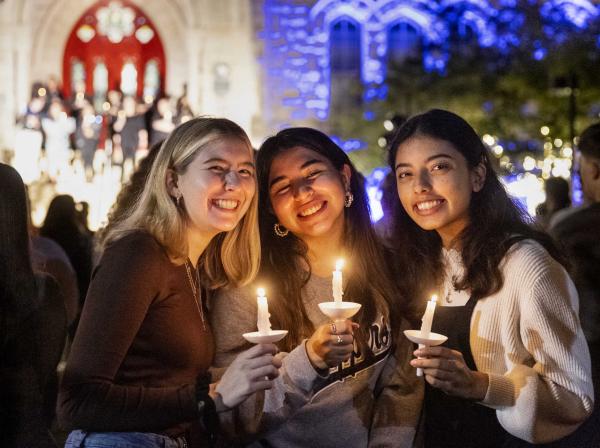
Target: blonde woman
{"type": "Point", "coordinates": [137, 373]}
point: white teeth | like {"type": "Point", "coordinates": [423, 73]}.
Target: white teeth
{"type": "Point", "coordinates": [428, 205]}
{"type": "Point", "coordinates": [311, 211]}
{"type": "Point", "coordinates": [226, 204]}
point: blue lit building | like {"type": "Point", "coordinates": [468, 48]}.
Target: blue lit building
{"type": "Point", "coordinates": [315, 51]}
{"type": "Point", "coordinates": [323, 56]}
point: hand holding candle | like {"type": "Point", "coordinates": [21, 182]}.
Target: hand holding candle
{"type": "Point", "coordinates": [263, 323]}
{"type": "Point", "coordinates": [336, 281]}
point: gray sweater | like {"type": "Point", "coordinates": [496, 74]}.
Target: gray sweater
{"type": "Point", "coordinates": [373, 400]}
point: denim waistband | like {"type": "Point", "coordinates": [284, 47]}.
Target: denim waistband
{"type": "Point", "coordinates": [85, 439]}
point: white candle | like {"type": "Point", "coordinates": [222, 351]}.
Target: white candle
{"type": "Point", "coordinates": [426, 322]}
{"type": "Point", "coordinates": [263, 323]}
{"type": "Point", "coordinates": [336, 281]}
{"type": "Point", "coordinates": [428, 317]}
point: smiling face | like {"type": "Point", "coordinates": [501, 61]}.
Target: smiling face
{"type": "Point", "coordinates": [307, 193]}
{"type": "Point", "coordinates": [435, 185]}
{"type": "Point", "coordinates": [217, 187]}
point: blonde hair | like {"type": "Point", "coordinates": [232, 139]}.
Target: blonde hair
{"type": "Point", "coordinates": [231, 257]}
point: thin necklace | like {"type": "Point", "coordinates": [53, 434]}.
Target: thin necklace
{"type": "Point", "coordinates": [196, 291]}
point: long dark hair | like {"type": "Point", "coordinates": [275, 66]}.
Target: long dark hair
{"type": "Point", "coordinates": [496, 222]}
{"type": "Point", "coordinates": [61, 222]}
{"type": "Point", "coordinates": [284, 259]}
{"type": "Point", "coordinates": [17, 282]}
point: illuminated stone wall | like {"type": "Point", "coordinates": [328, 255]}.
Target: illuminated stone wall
{"type": "Point", "coordinates": [296, 43]}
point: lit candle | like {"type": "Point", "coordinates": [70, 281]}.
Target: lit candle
{"type": "Point", "coordinates": [263, 323]}
{"type": "Point", "coordinates": [426, 322]}
{"type": "Point", "coordinates": [336, 281]}
{"type": "Point", "coordinates": [428, 317]}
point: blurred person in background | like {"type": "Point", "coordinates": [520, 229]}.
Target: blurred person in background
{"type": "Point", "coordinates": [162, 122]}
{"type": "Point", "coordinates": [62, 224]}
{"type": "Point", "coordinates": [87, 135]}
{"type": "Point", "coordinates": [58, 128]}
{"type": "Point", "coordinates": [579, 233]}
{"type": "Point", "coordinates": [558, 197]}
{"type": "Point", "coordinates": [32, 328]}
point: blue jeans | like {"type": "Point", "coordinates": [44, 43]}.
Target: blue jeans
{"type": "Point", "coordinates": [84, 439]}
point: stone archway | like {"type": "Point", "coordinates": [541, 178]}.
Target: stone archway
{"type": "Point", "coordinates": [171, 20]}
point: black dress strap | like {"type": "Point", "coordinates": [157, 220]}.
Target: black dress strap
{"type": "Point", "coordinates": [453, 422]}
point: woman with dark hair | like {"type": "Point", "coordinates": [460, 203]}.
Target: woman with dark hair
{"type": "Point", "coordinates": [32, 328]}
{"type": "Point", "coordinates": [63, 226]}
{"type": "Point", "coordinates": [516, 366]}
{"type": "Point", "coordinates": [341, 384]}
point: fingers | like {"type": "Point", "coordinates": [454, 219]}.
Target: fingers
{"type": "Point", "coordinates": [441, 364]}
{"type": "Point", "coordinates": [259, 350]}
{"type": "Point", "coordinates": [438, 351]}
{"type": "Point", "coordinates": [260, 385]}
{"type": "Point", "coordinates": [264, 360]}
{"type": "Point", "coordinates": [445, 386]}
{"type": "Point", "coordinates": [341, 342]}
{"type": "Point", "coordinates": [341, 327]}
{"type": "Point", "coordinates": [269, 371]}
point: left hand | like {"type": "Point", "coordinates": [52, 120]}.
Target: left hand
{"type": "Point", "coordinates": [447, 370]}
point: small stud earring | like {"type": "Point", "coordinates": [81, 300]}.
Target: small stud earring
{"type": "Point", "coordinates": [280, 231]}
{"type": "Point", "coordinates": [178, 200]}
{"type": "Point", "coordinates": [348, 199]}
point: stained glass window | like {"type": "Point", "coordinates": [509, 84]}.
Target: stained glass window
{"type": "Point", "coordinates": [77, 74]}
{"type": "Point", "coordinates": [129, 79]}
{"type": "Point", "coordinates": [100, 80]}
{"type": "Point", "coordinates": [403, 43]}
{"type": "Point", "coordinates": [115, 21]}
{"type": "Point", "coordinates": [151, 79]}
{"type": "Point", "coordinates": [345, 46]}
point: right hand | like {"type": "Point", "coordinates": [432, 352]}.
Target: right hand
{"type": "Point", "coordinates": [251, 371]}
{"type": "Point", "coordinates": [331, 344]}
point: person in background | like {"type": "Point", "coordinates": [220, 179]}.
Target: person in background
{"type": "Point", "coordinates": [58, 128]}
{"type": "Point", "coordinates": [579, 234]}
{"type": "Point", "coordinates": [162, 121]}
{"type": "Point", "coordinates": [62, 224]}
{"type": "Point", "coordinates": [32, 328]}
{"type": "Point", "coordinates": [183, 110]}
{"type": "Point", "coordinates": [87, 135]}
{"type": "Point", "coordinates": [516, 368]}
{"type": "Point", "coordinates": [137, 373]}
{"type": "Point", "coordinates": [131, 126]}
{"type": "Point", "coordinates": [341, 385]}
{"type": "Point", "coordinates": [558, 197]}
{"type": "Point", "coordinates": [389, 200]}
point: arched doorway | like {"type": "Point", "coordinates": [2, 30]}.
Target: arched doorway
{"type": "Point", "coordinates": [114, 46]}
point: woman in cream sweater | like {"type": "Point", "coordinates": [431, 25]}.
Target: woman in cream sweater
{"type": "Point", "coordinates": [516, 368]}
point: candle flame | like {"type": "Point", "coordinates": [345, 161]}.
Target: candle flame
{"type": "Point", "coordinates": [434, 298]}
{"type": "Point", "coordinates": [260, 292]}
{"type": "Point", "coordinates": [339, 264]}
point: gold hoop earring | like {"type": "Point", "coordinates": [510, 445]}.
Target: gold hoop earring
{"type": "Point", "coordinates": [348, 199]}
{"type": "Point", "coordinates": [280, 231]}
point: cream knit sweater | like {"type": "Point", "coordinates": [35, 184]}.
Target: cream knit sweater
{"type": "Point", "coordinates": [528, 339]}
